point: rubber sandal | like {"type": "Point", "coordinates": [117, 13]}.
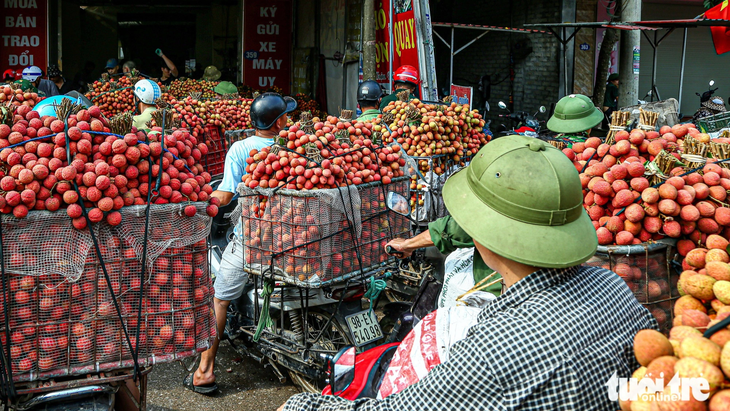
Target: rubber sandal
{"type": "Point", "coordinates": [206, 389]}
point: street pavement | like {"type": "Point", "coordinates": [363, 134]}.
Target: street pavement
{"type": "Point", "coordinates": [248, 386]}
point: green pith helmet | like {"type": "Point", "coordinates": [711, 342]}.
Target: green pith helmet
{"type": "Point", "coordinates": [225, 87]}
{"type": "Point", "coordinates": [574, 114]}
{"type": "Point", "coordinates": [26, 85]}
{"type": "Point", "coordinates": [521, 198]}
{"type": "Point", "coordinates": [211, 73]}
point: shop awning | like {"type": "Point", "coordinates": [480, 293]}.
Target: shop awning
{"type": "Point", "coordinates": [483, 29]}
{"type": "Point", "coordinates": [684, 23]}
{"type": "Point", "coordinates": [486, 28]}
{"type": "Point", "coordinates": [559, 30]}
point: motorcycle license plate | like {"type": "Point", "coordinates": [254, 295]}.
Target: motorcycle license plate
{"type": "Point", "coordinates": [364, 327]}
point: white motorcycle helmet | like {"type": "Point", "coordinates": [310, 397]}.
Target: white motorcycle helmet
{"type": "Point", "coordinates": [147, 91]}
{"type": "Point", "coordinates": [31, 73]}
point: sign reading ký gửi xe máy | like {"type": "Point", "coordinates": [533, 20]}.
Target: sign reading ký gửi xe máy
{"type": "Point", "coordinates": [267, 44]}
{"type": "Point", "coordinates": [24, 35]}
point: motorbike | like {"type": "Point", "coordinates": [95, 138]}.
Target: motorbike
{"type": "Point", "coordinates": [352, 375]}
{"type": "Point", "coordinates": [403, 285]}
{"type": "Point", "coordinates": [521, 121]}
{"type": "Point", "coordinates": [310, 325]}
{"type": "Point", "coordinates": [709, 105]}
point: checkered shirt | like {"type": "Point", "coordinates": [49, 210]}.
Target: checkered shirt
{"type": "Point", "coordinates": [551, 342]}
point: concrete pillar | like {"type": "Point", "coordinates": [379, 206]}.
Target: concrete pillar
{"type": "Point", "coordinates": [567, 54]}
{"type": "Point", "coordinates": [629, 49]}
{"type": "Point", "coordinates": [584, 67]}
{"type": "Point", "coordinates": [368, 37]}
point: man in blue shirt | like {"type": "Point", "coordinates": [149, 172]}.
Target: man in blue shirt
{"type": "Point", "coordinates": [268, 115]}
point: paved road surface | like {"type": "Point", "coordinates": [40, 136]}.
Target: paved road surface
{"type": "Point", "coordinates": [247, 387]}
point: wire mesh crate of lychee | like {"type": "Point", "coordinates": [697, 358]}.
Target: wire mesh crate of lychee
{"type": "Point", "coordinates": [217, 149]}
{"type": "Point", "coordinates": [426, 185]}
{"type": "Point", "coordinates": [715, 123]}
{"type": "Point", "coordinates": [61, 325]}
{"type": "Point", "coordinates": [322, 236]}
{"type": "Point", "coordinates": [646, 269]}
{"type": "Point", "coordinates": [327, 259]}
{"type": "Point", "coordinates": [313, 158]}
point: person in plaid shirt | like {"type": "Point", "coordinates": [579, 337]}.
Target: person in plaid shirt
{"type": "Point", "coordinates": [560, 330]}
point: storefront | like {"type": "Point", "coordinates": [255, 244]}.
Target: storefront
{"type": "Point", "coordinates": [702, 63]}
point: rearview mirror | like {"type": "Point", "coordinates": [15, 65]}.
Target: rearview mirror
{"type": "Point", "coordinates": [502, 105]}
{"type": "Point", "coordinates": [542, 109]}
{"type": "Point", "coordinates": [343, 370]}
{"type": "Point", "coordinates": [712, 83]}
{"type": "Point", "coordinates": [398, 203]}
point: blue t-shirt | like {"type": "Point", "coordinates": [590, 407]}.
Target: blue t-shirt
{"type": "Point", "coordinates": [235, 167]}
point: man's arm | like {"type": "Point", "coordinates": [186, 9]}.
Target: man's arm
{"type": "Point", "coordinates": [443, 233]}
{"type": "Point", "coordinates": [170, 65]}
{"type": "Point", "coordinates": [224, 196]}
{"type": "Point", "coordinates": [233, 170]}
{"type": "Point", "coordinates": [408, 246]}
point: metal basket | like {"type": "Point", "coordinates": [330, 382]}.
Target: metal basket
{"type": "Point", "coordinates": [713, 124]}
{"type": "Point", "coordinates": [306, 240]}
{"type": "Point", "coordinates": [648, 270]}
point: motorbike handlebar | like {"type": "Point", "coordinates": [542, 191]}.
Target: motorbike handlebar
{"type": "Point", "coordinates": [392, 251]}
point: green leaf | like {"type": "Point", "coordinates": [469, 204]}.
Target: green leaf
{"type": "Point", "coordinates": [652, 166]}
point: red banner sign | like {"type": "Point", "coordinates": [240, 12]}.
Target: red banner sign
{"type": "Point", "coordinates": [405, 41]}
{"type": "Point", "coordinates": [24, 35]}
{"type": "Point", "coordinates": [267, 44]}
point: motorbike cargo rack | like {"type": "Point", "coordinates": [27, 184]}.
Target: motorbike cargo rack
{"type": "Point", "coordinates": [113, 377]}
{"type": "Point", "coordinates": [279, 275]}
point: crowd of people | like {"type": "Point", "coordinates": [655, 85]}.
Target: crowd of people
{"type": "Point", "coordinates": [52, 81]}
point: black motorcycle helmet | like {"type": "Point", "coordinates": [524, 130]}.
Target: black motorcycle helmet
{"type": "Point", "coordinates": [269, 107]}
{"type": "Point", "coordinates": [368, 91]}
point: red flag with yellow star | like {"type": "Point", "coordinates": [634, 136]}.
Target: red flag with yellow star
{"type": "Point", "coordinates": [720, 35]}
